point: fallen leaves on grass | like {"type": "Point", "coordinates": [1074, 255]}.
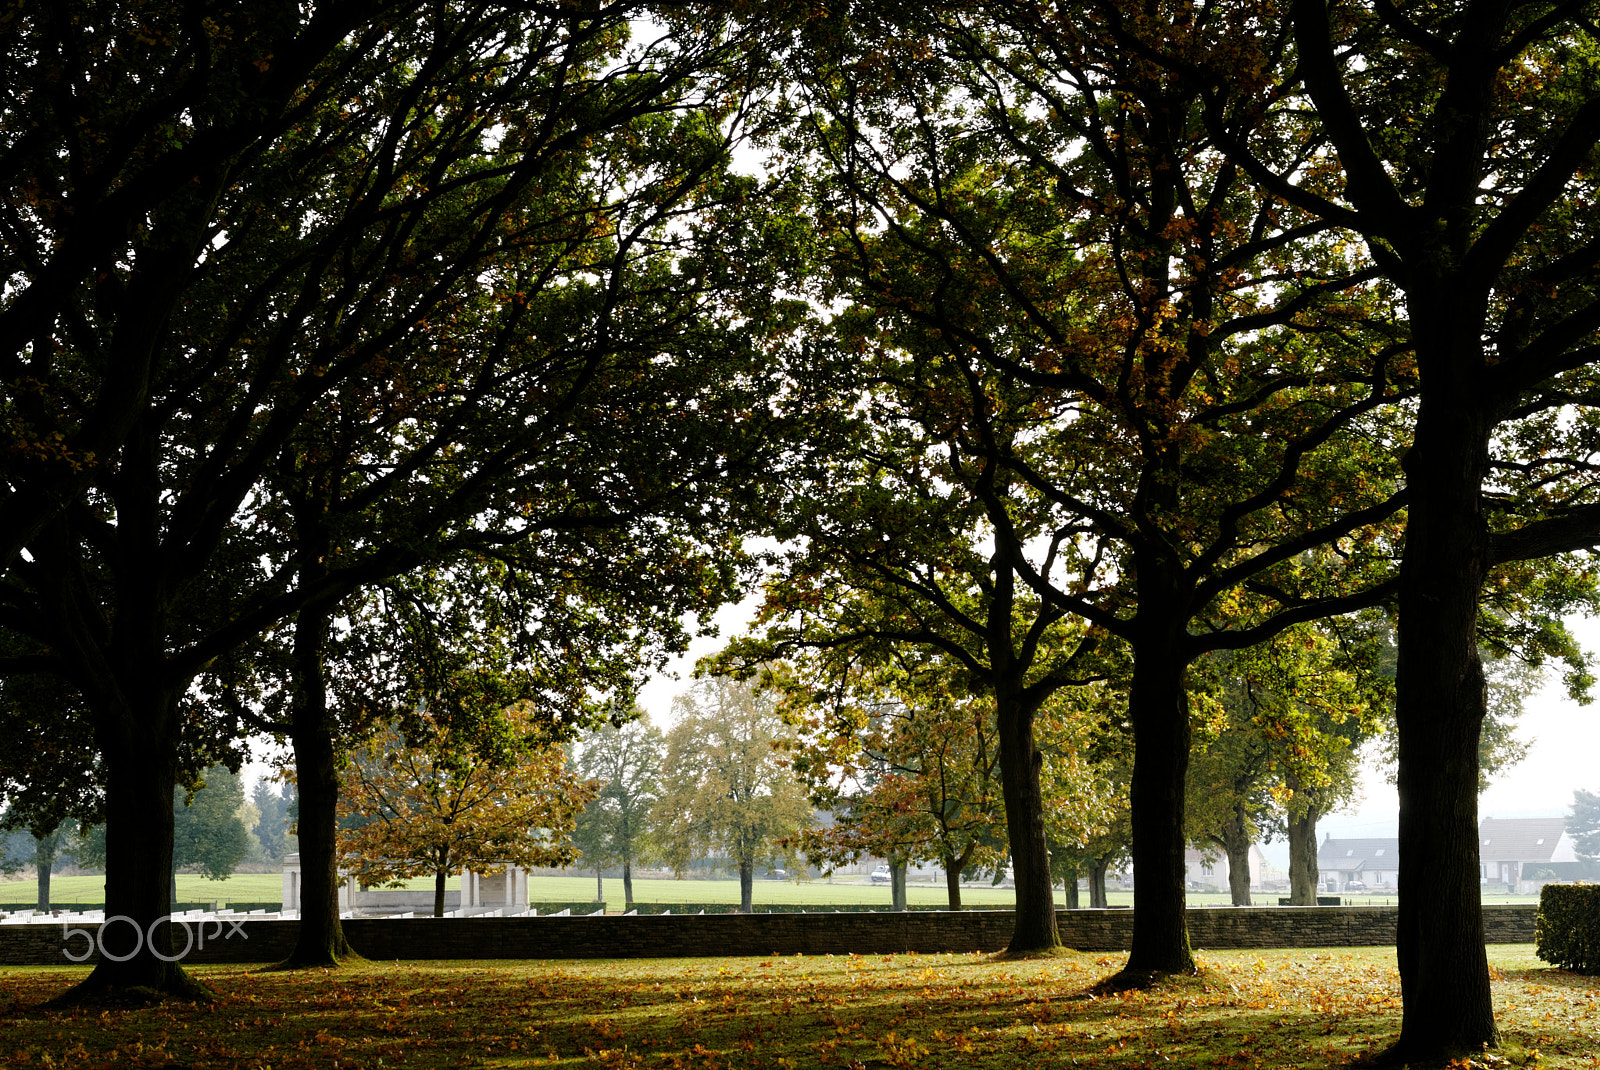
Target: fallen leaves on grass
{"type": "Point", "coordinates": [1243, 1010]}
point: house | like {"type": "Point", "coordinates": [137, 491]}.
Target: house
{"type": "Point", "coordinates": [1520, 851]}
{"type": "Point", "coordinates": [1209, 869]}
{"type": "Point", "coordinates": [1372, 863]}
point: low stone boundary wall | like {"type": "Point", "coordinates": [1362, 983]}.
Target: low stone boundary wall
{"type": "Point", "coordinates": [700, 935]}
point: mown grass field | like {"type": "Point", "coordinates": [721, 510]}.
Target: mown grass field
{"type": "Point", "coordinates": [1279, 1009]}
{"type": "Point", "coordinates": [268, 887]}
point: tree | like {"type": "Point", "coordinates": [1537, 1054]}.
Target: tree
{"type": "Point", "coordinates": [904, 756]}
{"type": "Point", "coordinates": [1286, 721]}
{"type": "Point", "coordinates": [440, 805]}
{"type": "Point", "coordinates": [1149, 397]}
{"type": "Point", "coordinates": [20, 847]}
{"type": "Point", "coordinates": [1477, 212]}
{"type": "Point", "coordinates": [207, 833]}
{"type": "Point", "coordinates": [272, 827]}
{"type": "Point", "coordinates": [1583, 824]}
{"type": "Point", "coordinates": [726, 786]}
{"type": "Point", "coordinates": [48, 775]}
{"type": "Point", "coordinates": [1227, 793]}
{"type": "Point", "coordinates": [615, 829]}
{"type": "Point", "coordinates": [124, 134]}
{"type": "Point", "coordinates": [901, 755]}
{"type": "Point", "coordinates": [457, 229]}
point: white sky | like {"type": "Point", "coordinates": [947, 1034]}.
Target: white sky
{"type": "Point", "coordinates": [1565, 746]}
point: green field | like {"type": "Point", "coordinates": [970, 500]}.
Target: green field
{"type": "Point", "coordinates": [268, 888]}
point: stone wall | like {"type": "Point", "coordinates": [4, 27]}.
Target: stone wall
{"type": "Point", "coordinates": [694, 935]}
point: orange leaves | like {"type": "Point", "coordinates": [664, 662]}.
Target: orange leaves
{"type": "Point", "coordinates": [1247, 1009]}
{"type": "Point", "coordinates": [441, 806]}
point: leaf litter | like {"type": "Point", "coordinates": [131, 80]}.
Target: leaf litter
{"type": "Point", "coordinates": [1245, 1009]}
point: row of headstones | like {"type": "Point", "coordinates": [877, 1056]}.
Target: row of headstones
{"type": "Point", "coordinates": [51, 917]}
{"type": "Point", "coordinates": [54, 917]}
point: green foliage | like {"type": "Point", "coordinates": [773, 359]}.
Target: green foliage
{"type": "Point", "coordinates": [901, 756]}
{"type": "Point", "coordinates": [438, 804]}
{"type": "Point", "coordinates": [1568, 931]}
{"type": "Point", "coordinates": [1583, 824]}
{"type": "Point", "coordinates": [725, 786]}
{"type": "Point", "coordinates": [626, 761]}
{"type": "Point", "coordinates": [207, 831]}
{"type": "Point", "coordinates": [273, 802]}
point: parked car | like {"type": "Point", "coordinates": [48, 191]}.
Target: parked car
{"type": "Point", "coordinates": [1355, 886]}
{"type": "Point", "coordinates": [881, 875]}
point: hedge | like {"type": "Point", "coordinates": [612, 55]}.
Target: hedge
{"type": "Point", "coordinates": [1567, 933]}
{"type": "Point", "coordinates": [771, 908]}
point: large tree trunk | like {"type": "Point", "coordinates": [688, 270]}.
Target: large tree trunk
{"type": "Point", "coordinates": [441, 877]}
{"type": "Point", "coordinates": [1030, 856]}
{"type": "Point", "coordinates": [1303, 857]}
{"type": "Point", "coordinates": [1159, 709]}
{"type": "Point", "coordinates": [1069, 887]}
{"type": "Point", "coordinates": [320, 941]}
{"type": "Point", "coordinates": [1441, 702]}
{"type": "Point", "coordinates": [138, 747]}
{"type": "Point", "coordinates": [1236, 840]}
{"type": "Point", "coordinates": [897, 884]}
{"type": "Point", "coordinates": [747, 880]}
{"type": "Point", "coordinates": [599, 885]}
{"type": "Point", "coordinates": [627, 883]}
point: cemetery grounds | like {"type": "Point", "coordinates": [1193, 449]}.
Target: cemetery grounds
{"type": "Point", "coordinates": [1261, 1008]}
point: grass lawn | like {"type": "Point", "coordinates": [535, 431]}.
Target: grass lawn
{"type": "Point", "coordinates": [268, 887]}
{"type": "Point", "coordinates": [1247, 1009]}
{"type": "Point", "coordinates": [192, 888]}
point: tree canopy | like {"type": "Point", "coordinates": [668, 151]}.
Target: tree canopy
{"type": "Point", "coordinates": [726, 787]}
{"type": "Point", "coordinates": [614, 829]}
{"type": "Point", "coordinates": [439, 805]}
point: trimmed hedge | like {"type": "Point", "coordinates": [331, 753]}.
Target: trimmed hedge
{"type": "Point", "coordinates": [1567, 932]}
{"type": "Point", "coordinates": [584, 906]}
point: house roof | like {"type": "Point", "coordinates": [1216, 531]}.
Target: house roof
{"type": "Point", "coordinates": [1371, 853]}
{"type": "Point", "coordinates": [1519, 839]}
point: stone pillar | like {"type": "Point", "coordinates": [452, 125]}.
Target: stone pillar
{"type": "Point", "coordinates": [291, 882]}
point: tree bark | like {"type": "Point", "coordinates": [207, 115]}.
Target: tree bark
{"type": "Point", "coordinates": [320, 941]}
{"type": "Point", "coordinates": [1070, 889]}
{"type": "Point", "coordinates": [599, 886]}
{"type": "Point", "coordinates": [1030, 857]}
{"type": "Point", "coordinates": [1441, 703]}
{"type": "Point", "coordinates": [441, 877]}
{"type": "Point", "coordinates": [1159, 709]}
{"type": "Point", "coordinates": [897, 885]}
{"type": "Point", "coordinates": [1236, 839]}
{"type": "Point", "coordinates": [747, 878]}
{"type": "Point", "coordinates": [1303, 857]}
{"type": "Point", "coordinates": [45, 849]}
{"type": "Point", "coordinates": [627, 883]}
{"type": "Point", "coordinates": [952, 884]}
{"type": "Point", "coordinates": [139, 747]}
{"type": "Point", "coordinates": [1097, 883]}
